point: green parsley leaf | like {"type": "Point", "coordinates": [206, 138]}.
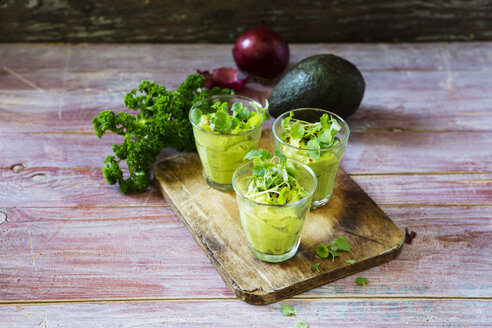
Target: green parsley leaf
{"type": "Point", "coordinates": [297, 131]}
{"type": "Point", "coordinates": [361, 281]}
{"type": "Point", "coordinates": [196, 115]}
{"type": "Point", "coordinates": [313, 144]}
{"type": "Point", "coordinates": [258, 171]}
{"type": "Point", "coordinates": [324, 121]}
{"type": "Point", "coordinates": [287, 310]}
{"type": "Point", "coordinates": [340, 244]}
{"type": "Point", "coordinates": [222, 122]}
{"type": "Point", "coordinates": [325, 136]}
{"type": "Point", "coordinates": [282, 199]}
{"type": "Point", "coordinates": [301, 324]}
{"type": "Point", "coordinates": [322, 251]}
{"type": "Point", "coordinates": [285, 122]}
{"type": "Point", "coordinates": [350, 261]}
{"type": "Point", "coordinates": [264, 154]}
{"type": "Point", "coordinates": [252, 154]}
{"type": "Point", "coordinates": [281, 157]}
{"type": "Point", "coordinates": [255, 120]}
{"type": "Point", "coordinates": [335, 127]}
{"type": "Point", "coordinates": [315, 267]}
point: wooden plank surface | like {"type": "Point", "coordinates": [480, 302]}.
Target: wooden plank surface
{"type": "Point", "coordinates": [76, 222]}
{"type": "Point", "coordinates": [197, 21]}
{"type": "Point", "coordinates": [368, 153]}
{"type": "Point", "coordinates": [76, 187]}
{"type": "Point", "coordinates": [227, 313]}
{"type": "Point", "coordinates": [77, 240]}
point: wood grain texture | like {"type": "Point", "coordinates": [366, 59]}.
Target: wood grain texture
{"type": "Point", "coordinates": [369, 153]}
{"type": "Point", "coordinates": [346, 313]}
{"type": "Point", "coordinates": [197, 21]}
{"type": "Point", "coordinates": [108, 251]}
{"type": "Point", "coordinates": [56, 88]}
{"type": "Point", "coordinates": [89, 242]}
{"type": "Point", "coordinates": [212, 217]}
{"type": "Point", "coordinates": [77, 187]}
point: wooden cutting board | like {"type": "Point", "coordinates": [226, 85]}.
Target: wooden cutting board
{"type": "Point", "coordinates": [212, 217]}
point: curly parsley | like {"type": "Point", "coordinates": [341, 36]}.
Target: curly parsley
{"type": "Point", "coordinates": [161, 121]}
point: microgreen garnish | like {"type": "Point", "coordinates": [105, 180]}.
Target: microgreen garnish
{"type": "Point", "coordinates": [312, 136]}
{"type": "Point", "coordinates": [315, 267]}
{"type": "Point", "coordinates": [361, 281]}
{"type": "Point", "coordinates": [288, 311]}
{"type": "Point", "coordinates": [350, 261]}
{"type": "Point", "coordinates": [222, 120]}
{"type": "Point", "coordinates": [339, 244]}
{"type": "Point", "coordinates": [273, 183]}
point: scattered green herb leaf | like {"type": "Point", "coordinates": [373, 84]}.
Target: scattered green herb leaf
{"type": "Point", "coordinates": [350, 261]}
{"type": "Point", "coordinates": [287, 310]}
{"type": "Point", "coordinates": [340, 244]}
{"type": "Point", "coordinates": [322, 251]}
{"type": "Point", "coordinates": [315, 267]}
{"type": "Point", "coordinates": [361, 281]}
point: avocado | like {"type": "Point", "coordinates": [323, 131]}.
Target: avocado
{"type": "Point", "coordinates": [321, 81]}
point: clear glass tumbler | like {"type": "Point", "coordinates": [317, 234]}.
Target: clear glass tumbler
{"type": "Point", "coordinates": [221, 154]}
{"type": "Point", "coordinates": [273, 232]}
{"type": "Point", "coordinates": [326, 166]}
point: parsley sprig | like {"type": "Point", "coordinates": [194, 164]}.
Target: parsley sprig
{"type": "Point", "coordinates": [160, 119]}
{"type": "Point", "coordinates": [339, 244]}
{"type": "Point", "coordinates": [288, 311]}
{"type": "Point", "coordinates": [222, 120]}
{"type": "Point", "coordinates": [273, 183]}
{"type": "Point", "coordinates": [361, 281]}
{"type": "Point", "coordinates": [312, 136]}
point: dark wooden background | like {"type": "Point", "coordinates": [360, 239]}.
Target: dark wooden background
{"type": "Point", "coordinates": [222, 21]}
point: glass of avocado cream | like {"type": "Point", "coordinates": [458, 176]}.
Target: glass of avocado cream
{"type": "Point", "coordinates": [273, 204]}
{"type": "Point", "coordinates": [226, 128]}
{"type": "Point", "coordinates": [317, 138]}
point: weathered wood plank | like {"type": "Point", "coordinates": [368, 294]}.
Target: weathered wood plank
{"type": "Point", "coordinates": [377, 152]}
{"type": "Point", "coordinates": [60, 88]}
{"type": "Point", "coordinates": [86, 58]}
{"type": "Point", "coordinates": [145, 252]}
{"type": "Point", "coordinates": [436, 101]}
{"type": "Point", "coordinates": [224, 313]}
{"type": "Point", "coordinates": [72, 187]}
{"type": "Point", "coordinates": [196, 21]}
{"type": "Point", "coordinates": [56, 187]}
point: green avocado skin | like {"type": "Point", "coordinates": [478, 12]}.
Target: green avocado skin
{"type": "Point", "coordinates": [321, 81]}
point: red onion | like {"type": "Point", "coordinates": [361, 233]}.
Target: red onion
{"type": "Point", "coordinates": [261, 52]}
{"type": "Point", "coordinates": [224, 77]}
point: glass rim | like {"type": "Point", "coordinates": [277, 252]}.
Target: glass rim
{"type": "Point", "coordinates": [344, 123]}
{"type": "Point", "coordinates": [304, 166]}
{"type": "Point", "coordinates": [220, 134]}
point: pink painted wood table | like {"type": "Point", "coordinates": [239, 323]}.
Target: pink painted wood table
{"type": "Point", "coordinates": [74, 252]}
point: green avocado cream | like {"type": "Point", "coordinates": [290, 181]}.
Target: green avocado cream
{"type": "Point", "coordinates": [325, 168]}
{"type": "Point", "coordinates": [274, 196]}
{"type": "Point", "coordinates": [225, 132]}
{"type": "Point", "coordinates": [222, 154]}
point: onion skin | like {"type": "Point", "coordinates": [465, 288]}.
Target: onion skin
{"type": "Point", "coordinates": [224, 77]}
{"type": "Point", "coordinates": [261, 52]}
